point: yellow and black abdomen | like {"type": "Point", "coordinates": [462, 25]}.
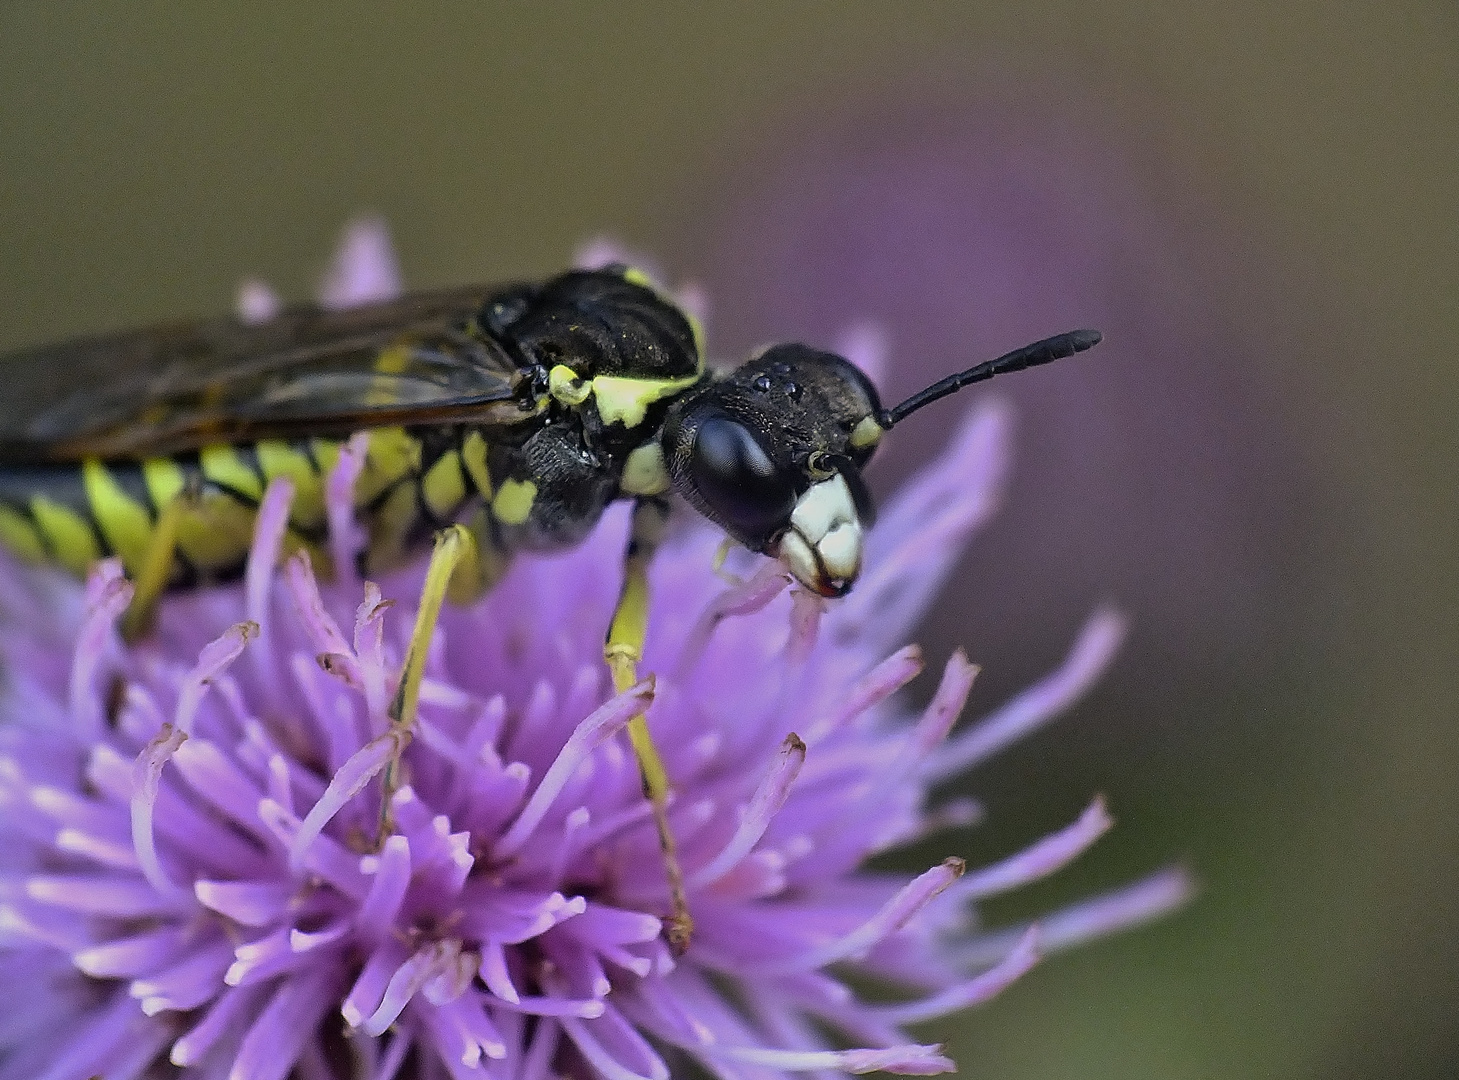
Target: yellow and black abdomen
{"type": "Point", "coordinates": [72, 515]}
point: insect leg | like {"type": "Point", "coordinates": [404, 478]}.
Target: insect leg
{"type": "Point", "coordinates": [484, 566]}
{"type": "Point", "coordinates": [453, 545]}
{"type": "Point", "coordinates": [156, 567]}
{"type": "Point", "coordinates": [623, 650]}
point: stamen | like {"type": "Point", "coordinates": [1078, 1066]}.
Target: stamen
{"type": "Point", "coordinates": [408, 981]}
{"type": "Point", "coordinates": [276, 1037]}
{"type": "Point", "coordinates": [124, 958]}
{"type": "Point", "coordinates": [1022, 957]}
{"type": "Point", "coordinates": [248, 903]}
{"type": "Point", "coordinates": [765, 584]}
{"type": "Point", "coordinates": [226, 1015]}
{"type": "Point", "coordinates": [946, 704]}
{"type": "Point", "coordinates": [216, 657]}
{"type": "Point", "coordinates": [495, 974]}
{"type": "Point", "coordinates": [878, 684]}
{"type": "Point", "coordinates": [894, 914]}
{"type": "Point", "coordinates": [599, 1057]}
{"type": "Point", "coordinates": [369, 649]}
{"type": "Point", "coordinates": [269, 528]}
{"type": "Point", "coordinates": [324, 633]}
{"type": "Point", "coordinates": [388, 887]}
{"type": "Point", "coordinates": [344, 785]}
{"type": "Point", "coordinates": [769, 797]}
{"type": "Point", "coordinates": [1040, 703]}
{"type": "Point", "coordinates": [599, 726]}
{"type": "Point", "coordinates": [110, 895]}
{"type": "Point", "coordinates": [107, 597]}
{"type": "Point", "coordinates": [345, 536]}
{"type": "Point", "coordinates": [911, 1059]}
{"type": "Point", "coordinates": [146, 777]}
{"type": "Point", "coordinates": [584, 1009]}
{"type": "Point", "coordinates": [1041, 858]}
{"type": "Point", "coordinates": [806, 609]}
{"type": "Point", "coordinates": [923, 530]}
{"type": "Point", "coordinates": [1120, 909]}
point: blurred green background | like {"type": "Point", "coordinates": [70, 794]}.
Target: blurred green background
{"type": "Point", "coordinates": [1256, 201]}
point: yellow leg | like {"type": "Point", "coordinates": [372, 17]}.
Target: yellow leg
{"type": "Point", "coordinates": [623, 651]}
{"type": "Point", "coordinates": [478, 573]}
{"type": "Point", "coordinates": [156, 569]}
{"type": "Point", "coordinates": [453, 545]}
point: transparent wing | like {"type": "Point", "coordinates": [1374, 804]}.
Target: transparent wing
{"type": "Point", "coordinates": [178, 387]}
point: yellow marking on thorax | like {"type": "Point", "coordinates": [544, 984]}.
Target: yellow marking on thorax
{"type": "Point", "coordinates": [625, 399]}
{"type": "Point", "coordinates": [277, 458]}
{"type": "Point", "coordinates": [637, 277]}
{"type": "Point", "coordinates": [443, 487]}
{"type": "Point", "coordinates": [67, 533]}
{"type": "Point", "coordinates": [567, 386]}
{"type": "Point", "coordinates": [644, 472]}
{"type": "Point", "coordinates": [19, 535]}
{"type": "Point", "coordinates": [513, 502]}
{"type": "Point", "coordinates": [126, 523]}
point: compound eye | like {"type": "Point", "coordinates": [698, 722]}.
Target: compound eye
{"type": "Point", "coordinates": [734, 476]}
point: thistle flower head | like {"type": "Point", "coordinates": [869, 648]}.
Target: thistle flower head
{"type": "Point", "coordinates": [192, 871]}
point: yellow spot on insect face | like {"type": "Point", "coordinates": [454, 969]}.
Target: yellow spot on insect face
{"type": "Point", "coordinates": [866, 433]}
{"type": "Point", "coordinates": [513, 502]}
{"type": "Point", "coordinates": [69, 536]}
{"type": "Point", "coordinates": [625, 400]}
{"type": "Point", "coordinates": [277, 458]}
{"type": "Point", "coordinates": [222, 465]}
{"type": "Point", "coordinates": [126, 524]}
{"type": "Point", "coordinates": [567, 386]}
{"type": "Point", "coordinates": [473, 456]}
{"type": "Point", "coordinates": [20, 536]}
{"type": "Point", "coordinates": [644, 472]}
{"type": "Point", "coordinates": [443, 487]}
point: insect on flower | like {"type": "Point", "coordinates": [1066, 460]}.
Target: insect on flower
{"type": "Point", "coordinates": [498, 419]}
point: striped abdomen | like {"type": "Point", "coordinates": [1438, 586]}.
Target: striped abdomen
{"type": "Point", "coordinates": [71, 516]}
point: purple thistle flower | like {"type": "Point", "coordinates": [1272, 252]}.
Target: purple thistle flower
{"type": "Point", "coordinates": [190, 872]}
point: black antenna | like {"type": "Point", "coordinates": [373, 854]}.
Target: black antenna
{"type": "Point", "coordinates": [1040, 352]}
